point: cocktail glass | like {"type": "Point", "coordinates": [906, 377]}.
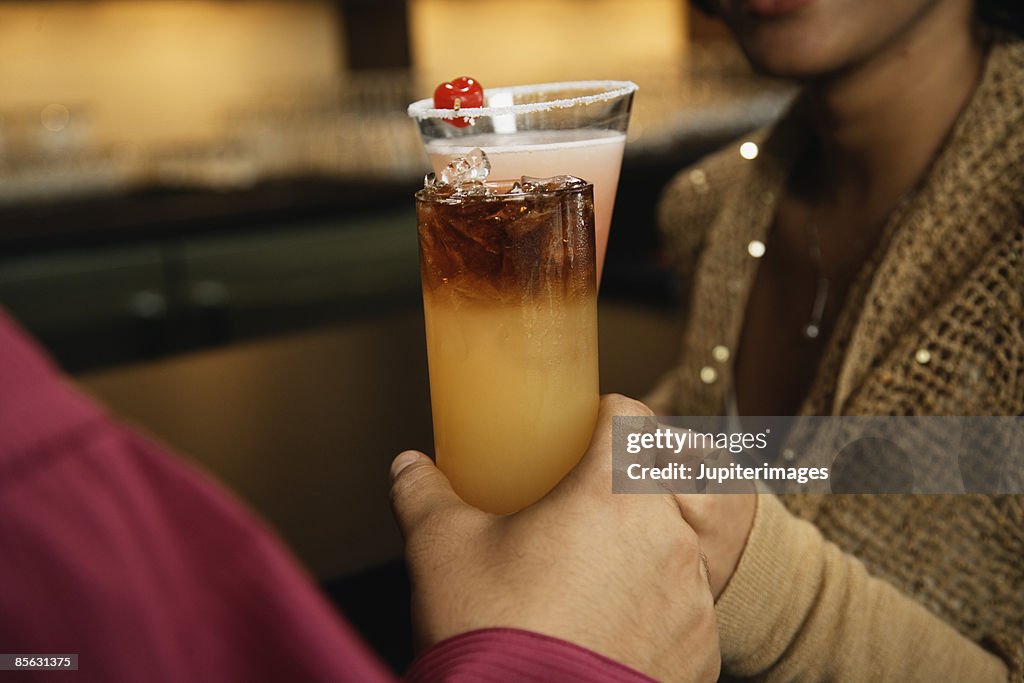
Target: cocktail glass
{"type": "Point", "coordinates": [510, 303]}
{"type": "Point", "coordinates": [576, 128]}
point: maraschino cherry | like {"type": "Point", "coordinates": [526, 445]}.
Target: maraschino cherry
{"type": "Point", "coordinates": [463, 92]}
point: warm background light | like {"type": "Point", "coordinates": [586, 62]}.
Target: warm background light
{"type": "Point", "coordinates": [158, 71]}
{"type": "Point", "coordinates": [504, 43]}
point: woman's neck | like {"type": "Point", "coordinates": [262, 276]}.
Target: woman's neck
{"type": "Point", "coordinates": [879, 123]}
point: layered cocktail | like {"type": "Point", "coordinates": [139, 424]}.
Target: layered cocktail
{"type": "Point", "coordinates": [542, 130]}
{"type": "Point", "coordinates": [510, 301]}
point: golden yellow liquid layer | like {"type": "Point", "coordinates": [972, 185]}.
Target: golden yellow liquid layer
{"type": "Point", "coordinates": [514, 395]}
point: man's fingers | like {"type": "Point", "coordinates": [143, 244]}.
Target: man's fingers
{"type": "Point", "coordinates": [617, 404]}
{"type": "Point", "coordinates": [612, 405]}
{"type": "Point", "coordinates": [419, 490]}
{"type": "Point", "coordinates": [595, 467]}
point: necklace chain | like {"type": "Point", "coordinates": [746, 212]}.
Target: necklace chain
{"type": "Point", "coordinates": [822, 280]}
{"type": "Point", "coordinates": [812, 330]}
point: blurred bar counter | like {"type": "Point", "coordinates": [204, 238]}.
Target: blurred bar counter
{"type": "Point", "coordinates": [302, 216]}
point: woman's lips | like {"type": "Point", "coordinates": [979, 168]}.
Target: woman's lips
{"type": "Point", "coordinates": [774, 8]}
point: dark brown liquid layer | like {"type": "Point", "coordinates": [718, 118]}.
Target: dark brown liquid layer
{"type": "Point", "coordinates": [509, 247]}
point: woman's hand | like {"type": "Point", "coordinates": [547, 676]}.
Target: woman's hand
{"type": "Point", "coordinates": [722, 515]}
{"type": "Point", "coordinates": [619, 574]}
{"type": "Point", "coordinates": [722, 522]}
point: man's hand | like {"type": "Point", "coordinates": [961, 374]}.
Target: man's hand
{"type": "Point", "coordinates": [619, 574]}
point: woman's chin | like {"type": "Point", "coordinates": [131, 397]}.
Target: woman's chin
{"type": "Point", "coordinates": [789, 69]}
{"type": "Point", "coordinates": [794, 58]}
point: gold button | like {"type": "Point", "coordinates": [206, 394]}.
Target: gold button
{"type": "Point", "coordinates": [699, 180]}
{"type": "Point", "coordinates": [708, 374]}
{"type": "Point", "coordinates": [923, 356]}
{"type": "Point", "coordinates": [720, 353]}
{"type": "Point", "coordinates": [756, 248]}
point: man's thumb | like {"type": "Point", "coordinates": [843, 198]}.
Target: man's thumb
{"type": "Point", "coordinates": [419, 490]}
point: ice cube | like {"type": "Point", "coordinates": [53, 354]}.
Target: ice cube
{"type": "Point", "coordinates": [558, 182]}
{"type": "Point", "coordinates": [564, 181]}
{"type": "Point", "coordinates": [479, 165]}
{"type": "Point", "coordinates": [474, 189]}
{"type": "Point", "coordinates": [472, 168]}
{"type": "Point", "coordinates": [529, 183]}
{"type": "Point", "coordinates": [454, 172]}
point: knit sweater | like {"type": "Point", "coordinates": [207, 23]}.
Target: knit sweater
{"type": "Point", "coordinates": [876, 587]}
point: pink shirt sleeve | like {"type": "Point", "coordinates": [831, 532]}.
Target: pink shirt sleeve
{"type": "Point", "coordinates": [113, 549]}
{"type": "Point", "coordinates": [504, 655]}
